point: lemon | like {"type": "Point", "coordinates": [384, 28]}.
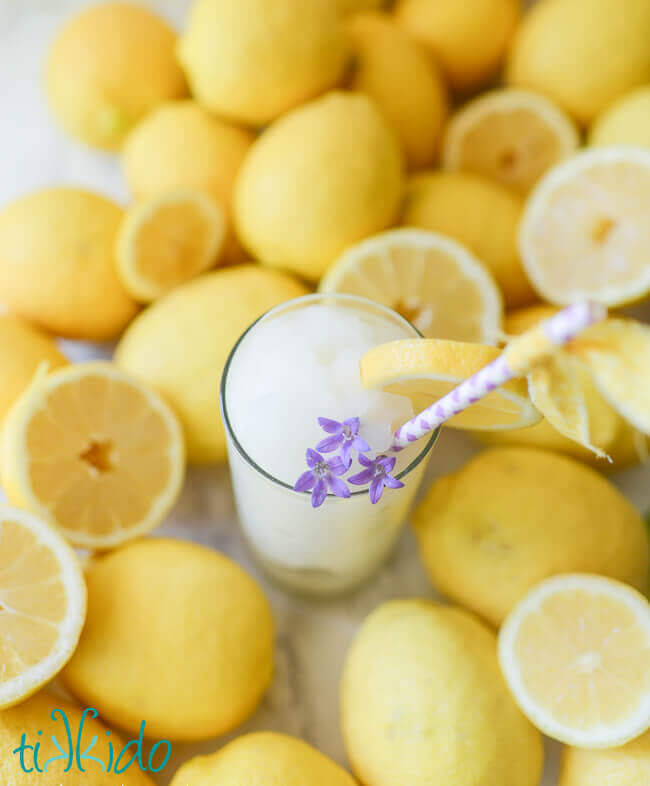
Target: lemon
{"type": "Point", "coordinates": [180, 344]}
{"type": "Point", "coordinates": [468, 39]}
{"type": "Point", "coordinates": [583, 54]}
{"type": "Point", "coordinates": [108, 67]}
{"type": "Point", "coordinates": [58, 263]}
{"type": "Point", "coordinates": [479, 213]}
{"type": "Point", "coordinates": [584, 232]}
{"type": "Point", "coordinates": [511, 517]}
{"type": "Point", "coordinates": [176, 634]}
{"type": "Point", "coordinates": [399, 74]}
{"type": "Point", "coordinates": [628, 765]}
{"type": "Point", "coordinates": [427, 369]}
{"type": "Point", "coordinates": [575, 652]}
{"type": "Point", "coordinates": [508, 135]}
{"type": "Point", "coordinates": [94, 452]}
{"type": "Point", "coordinates": [322, 177]}
{"type": "Point", "coordinates": [35, 720]}
{"type": "Point", "coordinates": [625, 122]}
{"type": "Point", "coordinates": [251, 61]}
{"type": "Point", "coordinates": [167, 240]}
{"type": "Point", "coordinates": [432, 281]}
{"type": "Point", "coordinates": [355, 6]}
{"type": "Point", "coordinates": [42, 604]}
{"type": "Point", "coordinates": [423, 702]}
{"type": "Point", "coordinates": [24, 349]}
{"type": "Point", "coordinates": [265, 759]}
{"type": "Point", "coordinates": [520, 320]}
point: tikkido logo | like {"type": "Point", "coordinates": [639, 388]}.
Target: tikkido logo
{"type": "Point", "coordinates": [72, 751]}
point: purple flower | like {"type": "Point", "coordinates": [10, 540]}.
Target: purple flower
{"type": "Point", "coordinates": [345, 434]}
{"type": "Point", "coordinates": [321, 476]}
{"type": "Point", "coordinates": [377, 473]}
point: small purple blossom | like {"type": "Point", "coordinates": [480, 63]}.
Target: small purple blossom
{"type": "Point", "coordinates": [377, 473]}
{"type": "Point", "coordinates": [322, 475]}
{"type": "Point", "coordinates": [344, 435]}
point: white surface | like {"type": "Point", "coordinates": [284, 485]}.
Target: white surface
{"type": "Point", "coordinates": [312, 637]}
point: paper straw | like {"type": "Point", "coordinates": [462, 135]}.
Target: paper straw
{"type": "Point", "coordinates": [516, 360]}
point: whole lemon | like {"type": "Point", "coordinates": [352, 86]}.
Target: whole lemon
{"type": "Point", "coordinates": [468, 39]}
{"type": "Point", "coordinates": [263, 759]}
{"type": "Point", "coordinates": [34, 719]}
{"type": "Point", "coordinates": [625, 122]}
{"type": "Point", "coordinates": [180, 344]}
{"type": "Point", "coordinates": [513, 516]}
{"type": "Point", "coordinates": [23, 349]}
{"type": "Point", "coordinates": [252, 60]}
{"type": "Point", "coordinates": [177, 635]}
{"type": "Point", "coordinates": [479, 213]}
{"type": "Point", "coordinates": [109, 66]}
{"type": "Point", "coordinates": [584, 54]}
{"type": "Point", "coordinates": [399, 74]}
{"type": "Point", "coordinates": [628, 765]}
{"type": "Point", "coordinates": [423, 702]}
{"type": "Point", "coordinates": [322, 177]}
{"type": "Point", "coordinates": [57, 264]}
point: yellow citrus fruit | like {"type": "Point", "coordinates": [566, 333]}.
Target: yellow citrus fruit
{"type": "Point", "coordinates": [583, 54]}
{"type": "Point", "coordinates": [432, 281]}
{"type": "Point", "coordinates": [58, 263]}
{"type": "Point", "coordinates": [584, 231]}
{"type": "Point", "coordinates": [252, 62]}
{"type": "Point", "coordinates": [427, 369]}
{"type": "Point", "coordinates": [508, 135]}
{"type": "Point", "coordinates": [353, 6]}
{"type": "Point", "coordinates": [322, 177]}
{"type": "Point", "coordinates": [42, 604]}
{"type": "Point", "coordinates": [625, 122]}
{"type": "Point", "coordinates": [511, 517]}
{"type": "Point", "coordinates": [40, 719]}
{"type": "Point", "coordinates": [180, 344]}
{"type": "Point", "coordinates": [24, 349]}
{"type": "Point", "coordinates": [400, 75]}
{"type": "Point", "coordinates": [575, 652]}
{"type": "Point", "coordinates": [423, 702]}
{"type": "Point", "coordinates": [108, 67]}
{"type": "Point", "coordinates": [265, 759]}
{"type": "Point", "coordinates": [177, 634]}
{"type": "Point", "coordinates": [628, 765]}
{"type": "Point", "coordinates": [479, 213]}
{"type": "Point", "coordinates": [167, 240]}
{"type": "Point", "coordinates": [94, 452]}
{"type": "Point", "coordinates": [468, 39]}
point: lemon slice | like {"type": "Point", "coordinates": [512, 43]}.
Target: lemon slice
{"type": "Point", "coordinates": [431, 280]}
{"type": "Point", "coordinates": [165, 241]}
{"type": "Point", "coordinates": [509, 135]}
{"type": "Point", "coordinates": [585, 231]}
{"type": "Point", "coordinates": [576, 655]}
{"type": "Point", "coordinates": [42, 604]}
{"type": "Point", "coordinates": [427, 369]}
{"type": "Point", "coordinates": [93, 452]}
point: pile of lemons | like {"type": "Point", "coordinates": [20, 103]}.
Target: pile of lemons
{"type": "Point", "coordinates": [474, 165]}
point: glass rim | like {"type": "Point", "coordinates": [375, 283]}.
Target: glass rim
{"type": "Point", "coordinates": [304, 299]}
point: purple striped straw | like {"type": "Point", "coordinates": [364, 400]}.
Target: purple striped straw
{"type": "Point", "coordinates": [516, 360]}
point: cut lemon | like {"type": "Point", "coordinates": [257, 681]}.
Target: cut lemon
{"type": "Point", "coordinates": [509, 135]}
{"type": "Point", "coordinates": [576, 655]}
{"type": "Point", "coordinates": [427, 369]}
{"type": "Point", "coordinates": [42, 604]}
{"type": "Point", "coordinates": [94, 452]}
{"type": "Point", "coordinates": [431, 280]}
{"type": "Point", "coordinates": [585, 231]}
{"type": "Point", "coordinates": [167, 240]}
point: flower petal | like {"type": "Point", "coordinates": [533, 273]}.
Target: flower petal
{"type": "Point", "coordinates": [338, 487]}
{"type": "Point", "coordinates": [337, 466]}
{"type": "Point", "coordinates": [361, 478]}
{"type": "Point", "coordinates": [313, 458]}
{"type": "Point", "coordinates": [319, 493]}
{"type": "Point", "coordinates": [376, 490]}
{"type": "Point", "coordinates": [360, 445]}
{"type": "Point", "coordinates": [329, 444]}
{"type": "Point", "coordinates": [346, 450]}
{"type": "Point", "coordinates": [353, 423]}
{"type": "Point", "coordinates": [392, 482]}
{"type": "Point", "coordinates": [330, 426]}
{"type": "Point", "coordinates": [305, 482]}
{"type": "Point", "coordinates": [365, 461]}
{"type": "Point", "coordinates": [387, 462]}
